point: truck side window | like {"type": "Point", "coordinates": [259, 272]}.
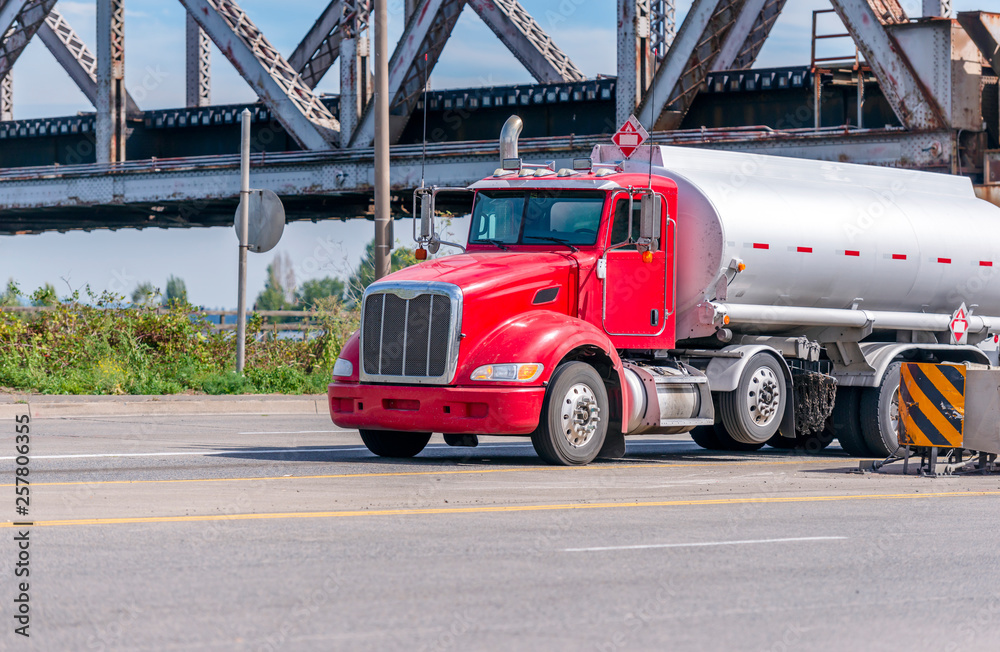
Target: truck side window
{"type": "Point", "coordinates": [619, 228]}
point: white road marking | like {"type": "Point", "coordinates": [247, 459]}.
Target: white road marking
{"type": "Point", "coordinates": [701, 545]}
{"type": "Point", "coordinates": [261, 451]}
{"type": "Point", "coordinates": [182, 453]}
{"type": "Point", "coordinates": [264, 451]}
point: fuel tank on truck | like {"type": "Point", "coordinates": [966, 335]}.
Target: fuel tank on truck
{"type": "Point", "coordinates": [823, 234]}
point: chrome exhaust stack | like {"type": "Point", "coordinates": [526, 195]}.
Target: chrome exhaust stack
{"type": "Point", "coordinates": [508, 142]}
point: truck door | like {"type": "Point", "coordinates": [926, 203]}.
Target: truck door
{"type": "Point", "coordinates": [635, 292]}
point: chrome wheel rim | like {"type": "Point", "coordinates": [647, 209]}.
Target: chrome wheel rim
{"type": "Point", "coordinates": [580, 415]}
{"type": "Point", "coordinates": [763, 396]}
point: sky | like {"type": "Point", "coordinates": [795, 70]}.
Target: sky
{"type": "Point", "coordinates": [207, 258]}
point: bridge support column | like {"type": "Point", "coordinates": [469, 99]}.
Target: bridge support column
{"type": "Point", "coordinates": [110, 128]}
{"type": "Point", "coordinates": [350, 85]}
{"type": "Point", "coordinates": [199, 65]}
{"type": "Point", "coordinates": [633, 57]}
{"type": "Point", "coordinates": [7, 98]}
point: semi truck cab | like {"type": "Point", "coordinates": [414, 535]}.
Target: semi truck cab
{"type": "Point", "coordinates": [623, 297]}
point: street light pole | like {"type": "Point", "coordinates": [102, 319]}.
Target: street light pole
{"type": "Point", "coordinates": [383, 217]}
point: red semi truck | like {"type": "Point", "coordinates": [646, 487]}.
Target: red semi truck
{"type": "Point", "coordinates": [743, 298]}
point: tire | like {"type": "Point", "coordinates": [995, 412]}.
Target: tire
{"type": "Point", "coordinates": [574, 419]}
{"type": "Point", "coordinates": [752, 413]}
{"type": "Point", "coordinates": [880, 413]}
{"type": "Point", "coordinates": [811, 443]}
{"type": "Point", "coordinates": [388, 443]}
{"type": "Point", "coordinates": [845, 423]}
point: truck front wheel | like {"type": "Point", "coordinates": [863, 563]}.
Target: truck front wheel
{"type": "Point", "coordinates": [387, 443]}
{"type": "Point", "coordinates": [574, 419]}
{"type": "Point", "coordinates": [753, 412]}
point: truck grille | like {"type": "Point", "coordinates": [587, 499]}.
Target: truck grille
{"type": "Point", "coordinates": [408, 333]}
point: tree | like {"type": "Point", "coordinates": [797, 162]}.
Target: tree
{"type": "Point", "coordinates": [176, 291]}
{"type": "Point", "coordinates": [315, 289]}
{"type": "Point", "coordinates": [45, 296]}
{"type": "Point", "coordinates": [145, 294]}
{"type": "Point", "coordinates": [364, 275]}
{"type": "Point", "coordinates": [279, 289]}
{"type": "Point", "coordinates": [12, 295]}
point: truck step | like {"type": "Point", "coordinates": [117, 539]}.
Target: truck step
{"type": "Point", "coordinates": [677, 423]}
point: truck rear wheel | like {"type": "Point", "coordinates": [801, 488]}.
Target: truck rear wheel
{"type": "Point", "coordinates": [574, 419]}
{"type": "Point", "coordinates": [752, 412]}
{"type": "Point", "coordinates": [715, 438]}
{"type": "Point", "coordinates": [880, 413]}
{"type": "Point", "coordinates": [845, 422]}
{"type": "Point", "coordinates": [388, 443]}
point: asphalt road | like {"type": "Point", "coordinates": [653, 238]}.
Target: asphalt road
{"type": "Point", "coordinates": [283, 533]}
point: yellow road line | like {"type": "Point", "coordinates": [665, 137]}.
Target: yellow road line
{"type": "Point", "coordinates": [497, 508]}
{"type": "Point", "coordinates": [597, 467]}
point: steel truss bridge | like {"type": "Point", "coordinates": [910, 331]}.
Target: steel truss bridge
{"type": "Point", "coordinates": [929, 78]}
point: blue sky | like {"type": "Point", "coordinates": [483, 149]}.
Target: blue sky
{"type": "Point", "coordinates": [206, 258]}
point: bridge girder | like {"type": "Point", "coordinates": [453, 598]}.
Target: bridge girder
{"type": "Point", "coordinates": [274, 80]}
{"type": "Point", "coordinates": [910, 99]}
{"type": "Point", "coordinates": [410, 65]}
{"type": "Point", "coordinates": [715, 35]}
{"type": "Point", "coordinates": [320, 47]}
{"type": "Point", "coordinates": [75, 57]}
{"type": "Point", "coordinates": [984, 29]}
{"type": "Point", "coordinates": [527, 41]}
{"type": "Point", "coordinates": [109, 128]}
{"type": "Point", "coordinates": [198, 64]}
{"type": "Point", "coordinates": [19, 21]}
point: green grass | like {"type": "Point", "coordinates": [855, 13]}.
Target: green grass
{"type": "Point", "coordinates": [109, 348]}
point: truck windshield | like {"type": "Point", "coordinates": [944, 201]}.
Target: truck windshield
{"type": "Point", "coordinates": [536, 216]}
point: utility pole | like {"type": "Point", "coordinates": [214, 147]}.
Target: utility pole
{"type": "Point", "coordinates": [383, 218]}
{"type": "Point", "coordinates": [241, 309]}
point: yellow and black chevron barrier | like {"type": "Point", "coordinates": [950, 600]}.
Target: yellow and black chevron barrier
{"type": "Point", "coordinates": [932, 405]}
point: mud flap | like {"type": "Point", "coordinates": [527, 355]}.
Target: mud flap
{"type": "Point", "coordinates": [614, 446]}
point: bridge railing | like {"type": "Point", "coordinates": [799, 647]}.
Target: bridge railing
{"type": "Point", "coordinates": [433, 150]}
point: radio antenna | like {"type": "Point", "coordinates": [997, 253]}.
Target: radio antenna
{"type": "Point", "coordinates": [423, 154]}
{"type": "Point", "coordinates": [652, 103]}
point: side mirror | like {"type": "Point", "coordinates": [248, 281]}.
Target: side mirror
{"type": "Point", "coordinates": [426, 216]}
{"type": "Point", "coordinates": [650, 215]}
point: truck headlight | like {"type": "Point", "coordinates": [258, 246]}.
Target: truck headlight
{"type": "Point", "coordinates": [519, 372]}
{"type": "Point", "coordinates": [343, 368]}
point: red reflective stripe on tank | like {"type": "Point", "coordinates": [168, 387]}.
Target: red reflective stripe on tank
{"type": "Point", "coordinates": [852, 253]}
{"type": "Point", "coordinates": [805, 250]}
{"type": "Point", "coordinates": [946, 261]}
{"type": "Point", "coordinates": [899, 256]}
{"type": "Point", "coordinates": [761, 245]}
{"type": "Point", "coordinates": [986, 263]}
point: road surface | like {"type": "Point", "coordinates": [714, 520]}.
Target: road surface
{"type": "Point", "coordinates": [239, 533]}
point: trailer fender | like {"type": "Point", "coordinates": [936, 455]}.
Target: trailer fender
{"type": "Point", "coordinates": [546, 337]}
{"type": "Point", "coordinates": [724, 376]}
{"type": "Point", "coordinates": [879, 355]}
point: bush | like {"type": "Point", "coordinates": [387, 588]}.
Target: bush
{"type": "Point", "coordinates": [110, 347]}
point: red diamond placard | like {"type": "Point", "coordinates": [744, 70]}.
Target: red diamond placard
{"type": "Point", "coordinates": [629, 136]}
{"type": "Point", "coordinates": [960, 326]}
